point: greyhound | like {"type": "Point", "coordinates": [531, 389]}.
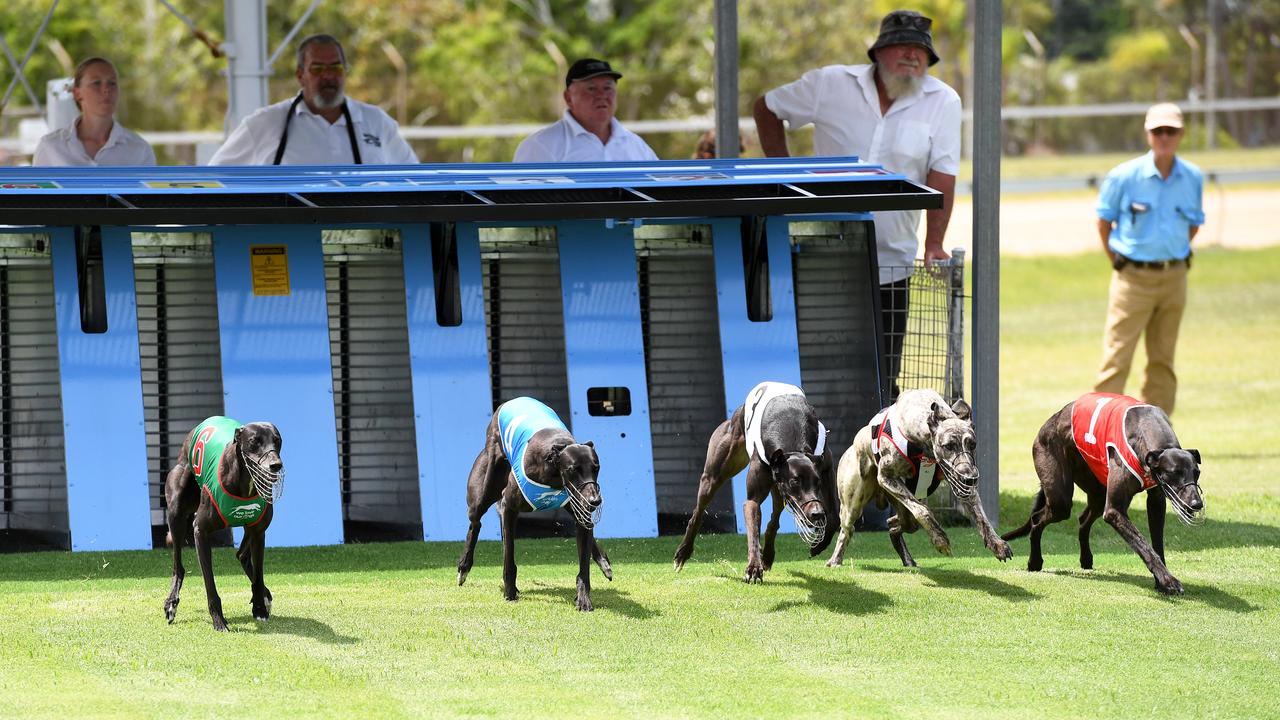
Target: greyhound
{"type": "Point", "coordinates": [530, 462]}
{"type": "Point", "coordinates": [777, 437]}
{"type": "Point", "coordinates": [227, 475]}
{"type": "Point", "coordinates": [896, 458]}
{"type": "Point", "coordinates": [1113, 447]}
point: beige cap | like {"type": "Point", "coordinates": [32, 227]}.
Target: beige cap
{"type": "Point", "coordinates": [1163, 115]}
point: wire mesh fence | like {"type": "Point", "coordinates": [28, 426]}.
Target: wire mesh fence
{"type": "Point", "coordinates": [924, 342]}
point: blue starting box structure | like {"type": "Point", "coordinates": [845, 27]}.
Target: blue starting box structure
{"type": "Point", "coordinates": [378, 315]}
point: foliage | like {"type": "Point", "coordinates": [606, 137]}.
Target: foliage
{"type": "Point", "coordinates": [480, 62]}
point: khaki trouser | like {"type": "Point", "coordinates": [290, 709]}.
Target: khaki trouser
{"type": "Point", "coordinates": [1151, 301]}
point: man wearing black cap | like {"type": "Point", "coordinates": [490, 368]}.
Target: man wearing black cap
{"type": "Point", "coordinates": [588, 132]}
{"type": "Point", "coordinates": [891, 113]}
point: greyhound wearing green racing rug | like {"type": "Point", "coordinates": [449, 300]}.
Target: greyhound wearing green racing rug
{"type": "Point", "coordinates": [227, 475]}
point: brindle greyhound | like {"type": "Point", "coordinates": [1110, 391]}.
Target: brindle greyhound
{"type": "Point", "coordinates": [530, 461]}
{"type": "Point", "coordinates": [777, 437]}
{"type": "Point", "coordinates": [894, 458]}
{"type": "Point", "coordinates": [1113, 448]}
{"type": "Point", "coordinates": [227, 474]}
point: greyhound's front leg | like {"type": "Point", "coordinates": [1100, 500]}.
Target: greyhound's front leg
{"type": "Point", "coordinates": [1156, 508]}
{"type": "Point", "coordinates": [586, 541]}
{"type": "Point", "coordinates": [205, 553]}
{"type": "Point", "coordinates": [899, 492]}
{"type": "Point", "coordinates": [771, 531]}
{"type": "Point", "coordinates": [261, 595]}
{"type": "Point", "coordinates": [509, 512]}
{"type": "Point", "coordinates": [994, 543]}
{"type": "Point", "coordinates": [597, 554]}
{"type": "Point", "coordinates": [1118, 518]}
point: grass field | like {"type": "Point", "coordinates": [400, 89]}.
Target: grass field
{"type": "Point", "coordinates": [383, 630]}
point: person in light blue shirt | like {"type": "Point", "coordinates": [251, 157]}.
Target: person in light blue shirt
{"type": "Point", "coordinates": [1149, 209]}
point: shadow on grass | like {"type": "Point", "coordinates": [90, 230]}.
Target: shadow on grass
{"type": "Point", "coordinates": [963, 579]}
{"type": "Point", "coordinates": [1206, 594]}
{"type": "Point", "coordinates": [603, 599]}
{"type": "Point", "coordinates": [839, 596]}
{"type": "Point", "coordinates": [303, 627]}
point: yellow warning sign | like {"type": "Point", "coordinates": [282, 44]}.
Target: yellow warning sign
{"type": "Point", "coordinates": [270, 266]}
{"type": "Point", "coordinates": [183, 184]}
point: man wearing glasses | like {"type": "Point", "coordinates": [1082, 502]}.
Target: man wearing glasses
{"type": "Point", "coordinates": [321, 126]}
{"type": "Point", "coordinates": [1149, 209]}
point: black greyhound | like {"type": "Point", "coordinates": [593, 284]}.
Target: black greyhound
{"type": "Point", "coordinates": [227, 474]}
{"type": "Point", "coordinates": [530, 461]}
{"type": "Point", "coordinates": [1113, 449]}
{"type": "Point", "coordinates": [777, 437]}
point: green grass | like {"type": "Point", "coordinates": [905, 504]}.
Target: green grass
{"type": "Point", "coordinates": [384, 631]}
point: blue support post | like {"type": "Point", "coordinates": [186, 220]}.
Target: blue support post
{"type": "Point", "coordinates": [604, 347]}
{"type": "Point", "coordinates": [451, 396]}
{"type": "Point", "coordinates": [108, 505]}
{"type": "Point", "coordinates": [276, 367]}
{"type": "Point", "coordinates": [754, 351]}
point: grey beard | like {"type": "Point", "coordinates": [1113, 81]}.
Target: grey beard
{"type": "Point", "coordinates": [336, 100]}
{"type": "Point", "coordinates": [896, 86]}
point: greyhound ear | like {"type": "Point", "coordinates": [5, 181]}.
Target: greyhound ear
{"type": "Point", "coordinates": [777, 459]}
{"type": "Point", "coordinates": [939, 413]}
{"type": "Point", "coordinates": [239, 434]}
{"type": "Point", "coordinates": [1152, 458]}
{"type": "Point", "coordinates": [1194, 454]}
{"type": "Point", "coordinates": [552, 457]}
{"type": "Point", "coordinates": [590, 444]}
{"type": "Point", "coordinates": [962, 409]}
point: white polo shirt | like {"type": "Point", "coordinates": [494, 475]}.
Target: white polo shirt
{"type": "Point", "coordinates": [313, 140]}
{"type": "Point", "coordinates": [61, 148]}
{"type": "Point", "coordinates": [567, 141]}
{"type": "Point", "coordinates": [919, 134]}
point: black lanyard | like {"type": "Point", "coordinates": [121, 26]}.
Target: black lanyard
{"type": "Point", "coordinates": [284, 135]}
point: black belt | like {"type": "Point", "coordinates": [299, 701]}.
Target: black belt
{"type": "Point", "coordinates": [1121, 262]}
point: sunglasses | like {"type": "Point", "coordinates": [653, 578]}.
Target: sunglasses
{"type": "Point", "coordinates": [1163, 131]}
{"type": "Point", "coordinates": [910, 22]}
{"type": "Point", "coordinates": [321, 69]}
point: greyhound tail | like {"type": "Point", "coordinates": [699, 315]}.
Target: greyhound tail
{"type": "Point", "coordinates": [1026, 527]}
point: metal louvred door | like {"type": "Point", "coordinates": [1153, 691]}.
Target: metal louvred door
{"type": "Point", "coordinates": [835, 324]}
{"type": "Point", "coordinates": [33, 481]}
{"type": "Point", "coordinates": [524, 324]}
{"type": "Point", "coordinates": [676, 269]}
{"type": "Point", "coordinates": [178, 346]}
{"type": "Point", "coordinates": [372, 384]}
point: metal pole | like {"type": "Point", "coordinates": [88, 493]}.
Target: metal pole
{"type": "Point", "coordinates": [1211, 78]}
{"type": "Point", "coordinates": [986, 252]}
{"type": "Point", "coordinates": [726, 78]}
{"type": "Point", "coordinates": [246, 49]}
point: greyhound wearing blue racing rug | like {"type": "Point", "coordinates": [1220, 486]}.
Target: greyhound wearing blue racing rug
{"type": "Point", "coordinates": [530, 462]}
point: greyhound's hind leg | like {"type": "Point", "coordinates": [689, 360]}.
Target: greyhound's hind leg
{"type": "Point", "coordinates": [899, 523]}
{"type": "Point", "coordinates": [726, 456]}
{"type": "Point", "coordinates": [1093, 511]}
{"type": "Point", "coordinates": [484, 487]}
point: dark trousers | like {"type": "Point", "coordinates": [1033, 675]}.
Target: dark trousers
{"type": "Point", "coordinates": [893, 318]}
{"type": "Point", "coordinates": [894, 298]}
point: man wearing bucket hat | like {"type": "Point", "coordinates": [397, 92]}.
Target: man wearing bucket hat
{"type": "Point", "coordinates": [892, 113]}
{"type": "Point", "coordinates": [1149, 209]}
{"type": "Point", "coordinates": [588, 131]}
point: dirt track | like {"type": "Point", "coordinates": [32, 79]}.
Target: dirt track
{"type": "Point", "coordinates": [1064, 224]}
